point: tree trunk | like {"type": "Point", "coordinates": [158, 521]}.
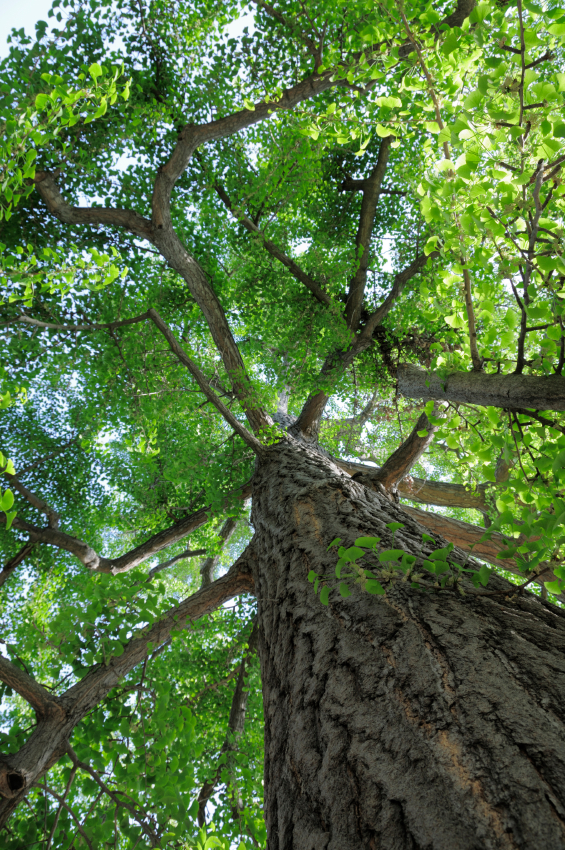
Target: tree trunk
{"type": "Point", "coordinates": [512, 392]}
{"type": "Point", "coordinates": [414, 720]}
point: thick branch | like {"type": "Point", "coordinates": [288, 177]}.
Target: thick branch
{"type": "Point", "coordinates": [465, 535]}
{"type": "Point", "coordinates": [47, 188]}
{"type": "Point", "coordinates": [93, 326]}
{"type": "Point", "coordinates": [511, 392]}
{"type": "Point", "coordinates": [35, 501]}
{"type": "Point", "coordinates": [274, 250]}
{"type": "Point", "coordinates": [191, 136]}
{"type": "Point", "coordinates": [40, 700]}
{"type": "Point", "coordinates": [188, 553]}
{"type": "Point", "coordinates": [49, 740]}
{"type": "Point", "coordinates": [406, 455]}
{"type": "Point", "coordinates": [426, 492]}
{"type": "Point", "coordinates": [205, 387]}
{"type": "Point", "coordinates": [87, 555]}
{"type": "Point", "coordinates": [307, 424]}
{"type": "Point", "coordinates": [14, 561]}
{"type": "Point", "coordinates": [371, 191]}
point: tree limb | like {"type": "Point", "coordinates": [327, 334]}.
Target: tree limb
{"type": "Point", "coordinates": [43, 703]}
{"type": "Point", "coordinates": [35, 501]}
{"type": "Point", "coordinates": [465, 535]}
{"type": "Point", "coordinates": [97, 563]}
{"type": "Point", "coordinates": [93, 326]}
{"type": "Point", "coordinates": [175, 559]}
{"type": "Point", "coordinates": [205, 387]}
{"type": "Point", "coordinates": [293, 267]}
{"type": "Point", "coordinates": [371, 190]}
{"type": "Point", "coordinates": [236, 725]}
{"type": "Point", "coordinates": [397, 466]}
{"type": "Point", "coordinates": [208, 566]}
{"type": "Point", "coordinates": [443, 494]}
{"type": "Point", "coordinates": [511, 392]}
{"type": "Point", "coordinates": [14, 561]}
{"type": "Point", "coordinates": [49, 741]}
{"type": "Point", "coordinates": [308, 422]}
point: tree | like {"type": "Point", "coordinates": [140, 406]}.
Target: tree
{"type": "Point", "coordinates": [293, 258]}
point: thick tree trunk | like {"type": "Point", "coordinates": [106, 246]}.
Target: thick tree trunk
{"type": "Point", "coordinates": [414, 720]}
{"type": "Point", "coordinates": [512, 392]}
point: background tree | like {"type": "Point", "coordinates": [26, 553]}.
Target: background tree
{"type": "Point", "coordinates": [307, 255]}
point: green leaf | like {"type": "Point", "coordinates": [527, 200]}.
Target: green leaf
{"type": "Point", "coordinates": [7, 500]}
{"type": "Point", "coordinates": [352, 553]}
{"type": "Point", "coordinates": [422, 434]}
{"type": "Point", "coordinates": [312, 576]}
{"type": "Point", "coordinates": [394, 526]}
{"type": "Point", "coordinates": [484, 575]}
{"type": "Point", "coordinates": [324, 595]}
{"type": "Point", "coordinates": [373, 586]}
{"type": "Point", "coordinates": [451, 42]}
{"type": "Point", "coordinates": [41, 101]}
{"type": "Point", "coordinates": [368, 542]}
{"type": "Point", "coordinates": [391, 555]}
{"type": "Point", "coordinates": [334, 543]}
{"type": "Point", "coordinates": [553, 587]}
{"type": "Point", "coordinates": [344, 590]}
{"type": "Point", "coordinates": [95, 71]}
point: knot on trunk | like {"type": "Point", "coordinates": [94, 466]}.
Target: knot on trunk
{"type": "Point", "coordinates": [12, 782]}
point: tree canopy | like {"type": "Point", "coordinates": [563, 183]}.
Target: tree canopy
{"type": "Point", "coordinates": [220, 224]}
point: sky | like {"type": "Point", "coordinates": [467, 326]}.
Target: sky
{"type": "Point", "coordinates": [24, 13]}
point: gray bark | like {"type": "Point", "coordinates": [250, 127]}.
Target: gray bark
{"type": "Point", "coordinates": [414, 720]}
{"type": "Point", "coordinates": [511, 392]}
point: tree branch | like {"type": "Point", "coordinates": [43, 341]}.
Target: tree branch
{"type": "Point", "coordinates": [511, 392]}
{"type": "Point", "coordinates": [465, 535]}
{"type": "Point", "coordinates": [371, 190]}
{"type": "Point", "coordinates": [14, 561]}
{"type": "Point", "coordinates": [35, 501]}
{"type": "Point", "coordinates": [93, 326]}
{"type": "Point", "coordinates": [49, 741]}
{"type": "Point", "coordinates": [174, 560]}
{"type": "Point", "coordinates": [47, 188]}
{"type": "Point", "coordinates": [192, 136]}
{"type": "Point", "coordinates": [97, 563]}
{"type": "Point", "coordinates": [236, 725]}
{"type": "Point", "coordinates": [43, 703]}
{"type": "Point", "coordinates": [308, 422]}
{"type": "Point", "coordinates": [406, 455]}
{"type": "Point", "coordinates": [200, 379]}
{"type": "Point", "coordinates": [293, 267]}
{"type": "Point", "coordinates": [208, 566]}
{"type": "Point", "coordinates": [443, 494]}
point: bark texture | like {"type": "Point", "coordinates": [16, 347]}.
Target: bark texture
{"type": "Point", "coordinates": [416, 720]}
{"type": "Point", "coordinates": [512, 392]}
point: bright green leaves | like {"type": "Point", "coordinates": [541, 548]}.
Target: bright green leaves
{"type": "Point", "coordinates": [40, 128]}
{"type": "Point", "coordinates": [95, 71]}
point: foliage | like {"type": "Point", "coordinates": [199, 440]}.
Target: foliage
{"type": "Point", "coordinates": [103, 422]}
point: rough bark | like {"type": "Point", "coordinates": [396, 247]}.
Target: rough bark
{"type": "Point", "coordinates": [512, 392]}
{"type": "Point", "coordinates": [414, 720]}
